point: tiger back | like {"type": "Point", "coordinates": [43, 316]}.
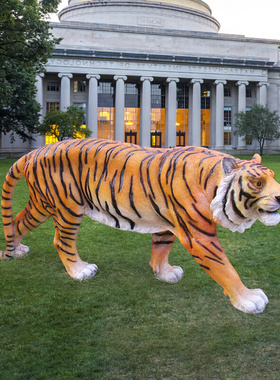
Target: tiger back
{"type": "Point", "coordinates": [179, 192]}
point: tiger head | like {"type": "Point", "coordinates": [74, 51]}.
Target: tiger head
{"type": "Point", "coordinates": [246, 193]}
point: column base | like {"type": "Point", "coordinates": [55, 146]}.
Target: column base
{"type": "Point", "coordinates": [219, 147]}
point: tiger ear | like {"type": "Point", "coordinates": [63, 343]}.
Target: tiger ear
{"type": "Point", "coordinates": [257, 158]}
{"type": "Point", "coordinates": [228, 165]}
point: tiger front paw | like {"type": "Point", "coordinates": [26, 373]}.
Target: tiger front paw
{"type": "Point", "coordinates": [20, 251]}
{"type": "Point", "coordinates": [172, 274]}
{"type": "Point", "coordinates": [87, 272]}
{"type": "Point", "coordinates": [251, 301]}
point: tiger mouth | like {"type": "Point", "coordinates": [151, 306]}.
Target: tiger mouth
{"type": "Point", "coordinates": [262, 211]}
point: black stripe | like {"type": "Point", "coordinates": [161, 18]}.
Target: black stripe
{"type": "Point", "coordinates": [186, 183]}
{"type": "Point", "coordinates": [201, 215]}
{"type": "Point", "coordinates": [141, 174]}
{"type": "Point", "coordinates": [197, 257]}
{"type": "Point", "coordinates": [95, 171]}
{"type": "Point", "coordinates": [67, 221]}
{"type": "Point", "coordinates": [122, 174]}
{"type": "Point", "coordinates": [64, 250]}
{"type": "Point", "coordinates": [131, 198]}
{"type": "Point", "coordinates": [204, 267]}
{"type": "Point", "coordinates": [182, 224]}
{"type": "Point", "coordinates": [200, 230]}
{"type": "Point", "coordinates": [208, 250]}
{"type": "Point", "coordinates": [6, 199]}
{"type": "Point", "coordinates": [225, 199]}
{"type": "Point", "coordinates": [81, 201]}
{"type": "Point", "coordinates": [212, 259]}
{"type": "Point", "coordinates": [148, 176]}
{"type": "Point", "coordinates": [163, 242]}
{"type": "Point", "coordinates": [7, 183]}
{"type": "Point", "coordinates": [200, 175]}
{"type": "Point", "coordinates": [112, 216]}
{"type": "Point", "coordinates": [217, 247]}
{"type": "Point", "coordinates": [157, 210]}
{"type": "Point", "coordinates": [87, 192]}
{"type": "Point", "coordinates": [210, 173]}
{"type": "Point", "coordinates": [235, 208]}
{"type": "Point", "coordinates": [114, 202]}
{"type": "Point", "coordinates": [61, 175]}
{"type": "Point", "coordinates": [167, 233]}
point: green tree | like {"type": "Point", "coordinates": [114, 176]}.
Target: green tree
{"type": "Point", "coordinates": [65, 124]}
{"type": "Point", "coordinates": [259, 123]}
{"type": "Point", "coordinates": [26, 43]}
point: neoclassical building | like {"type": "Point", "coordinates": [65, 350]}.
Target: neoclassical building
{"type": "Point", "coordinates": [156, 73]}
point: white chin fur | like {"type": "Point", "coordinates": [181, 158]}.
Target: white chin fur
{"type": "Point", "coordinates": [231, 220]}
{"type": "Point", "coordinates": [269, 219]}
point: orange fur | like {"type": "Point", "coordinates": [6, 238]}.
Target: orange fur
{"type": "Point", "coordinates": [180, 192]}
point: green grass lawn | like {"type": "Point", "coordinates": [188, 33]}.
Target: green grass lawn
{"type": "Point", "coordinates": [125, 324]}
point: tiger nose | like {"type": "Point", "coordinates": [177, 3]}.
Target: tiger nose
{"type": "Point", "coordinates": [278, 198]}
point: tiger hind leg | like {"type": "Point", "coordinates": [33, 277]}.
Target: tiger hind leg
{"type": "Point", "coordinates": [65, 242]}
{"type": "Point", "coordinates": [27, 220]}
{"type": "Point", "coordinates": [161, 245]}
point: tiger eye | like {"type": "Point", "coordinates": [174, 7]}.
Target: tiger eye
{"type": "Point", "coordinates": [259, 183]}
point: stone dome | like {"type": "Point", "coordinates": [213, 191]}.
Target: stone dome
{"type": "Point", "coordinates": [183, 15]}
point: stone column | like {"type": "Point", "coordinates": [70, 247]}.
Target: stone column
{"type": "Point", "coordinates": [234, 110]}
{"type": "Point", "coordinates": [220, 113]}
{"type": "Point", "coordinates": [241, 108]}
{"type": "Point", "coordinates": [263, 93]}
{"type": "Point", "coordinates": [65, 100]}
{"type": "Point", "coordinates": [39, 140]}
{"type": "Point", "coordinates": [92, 107]}
{"type": "Point", "coordinates": [119, 107]}
{"type": "Point", "coordinates": [170, 113]}
{"type": "Point", "coordinates": [145, 111]}
{"type": "Point", "coordinates": [196, 112]}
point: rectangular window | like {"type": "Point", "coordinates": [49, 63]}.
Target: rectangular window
{"type": "Point", "coordinates": [227, 125]}
{"type": "Point", "coordinates": [157, 114]}
{"type": "Point", "coordinates": [182, 115]}
{"type": "Point", "coordinates": [132, 112]}
{"type": "Point", "coordinates": [248, 93]}
{"type": "Point", "coordinates": [227, 93]}
{"type": "Point", "coordinates": [106, 110]}
{"type": "Point", "coordinates": [52, 106]}
{"type": "Point", "coordinates": [79, 86]}
{"type": "Point", "coordinates": [52, 85]}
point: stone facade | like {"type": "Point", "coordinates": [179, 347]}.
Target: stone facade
{"type": "Point", "coordinates": [185, 78]}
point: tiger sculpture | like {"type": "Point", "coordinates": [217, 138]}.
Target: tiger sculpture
{"type": "Point", "coordinates": [182, 192]}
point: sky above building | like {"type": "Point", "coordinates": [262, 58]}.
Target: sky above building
{"type": "Point", "coordinates": [244, 17]}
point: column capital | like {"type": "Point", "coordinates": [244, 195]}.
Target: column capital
{"type": "Point", "coordinates": [197, 80]}
{"type": "Point", "coordinates": [123, 77]}
{"type": "Point", "coordinates": [142, 79]}
{"type": "Point", "coordinates": [171, 79]}
{"type": "Point", "coordinates": [41, 75]}
{"type": "Point", "coordinates": [241, 82]}
{"type": "Point", "coordinates": [94, 76]}
{"type": "Point", "coordinates": [220, 81]}
{"type": "Point", "coordinates": [68, 75]}
{"type": "Point", "coordinates": [260, 84]}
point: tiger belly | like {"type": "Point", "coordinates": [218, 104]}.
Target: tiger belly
{"type": "Point", "coordinates": [151, 224]}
